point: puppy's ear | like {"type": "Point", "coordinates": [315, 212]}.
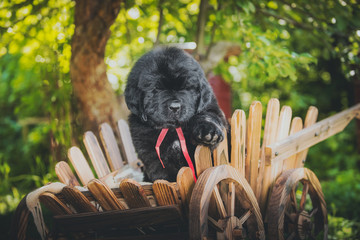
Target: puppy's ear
{"type": "Point", "coordinates": [206, 95]}
{"type": "Point", "coordinates": [134, 96]}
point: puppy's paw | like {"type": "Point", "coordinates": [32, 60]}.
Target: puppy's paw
{"type": "Point", "coordinates": [208, 133]}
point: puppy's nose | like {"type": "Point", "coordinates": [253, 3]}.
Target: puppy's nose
{"type": "Point", "coordinates": [175, 106]}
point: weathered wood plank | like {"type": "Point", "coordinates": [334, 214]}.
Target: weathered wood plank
{"type": "Point", "coordinates": [185, 182]}
{"type": "Point", "coordinates": [96, 155]}
{"type": "Point", "coordinates": [147, 190]}
{"type": "Point", "coordinates": [80, 165]}
{"type": "Point", "coordinates": [65, 175]}
{"type": "Point", "coordinates": [54, 204]}
{"type": "Point", "coordinates": [165, 193]}
{"type": "Point", "coordinates": [221, 153]}
{"type": "Point", "coordinates": [310, 119]}
{"type": "Point", "coordinates": [127, 146]}
{"type": "Point", "coordinates": [104, 196]}
{"type": "Point", "coordinates": [75, 198]}
{"type": "Point", "coordinates": [282, 133]}
{"type": "Point", "coordinates": [253, 144]}
{"type": "Point", "coordinates": [111, 147]}
{"type": "Point", "coordinates": [134, 194]}
{"type": "Point", "coordinates": [270, 132]}
{"type": "Point", "coordinates": [296, 125]}
{"type": "Point", "coordinates": [238, 139]}
{"type": "Point", "coordinates": [311, 135]}
{"type": "Point", "coordinates": [202, 159]}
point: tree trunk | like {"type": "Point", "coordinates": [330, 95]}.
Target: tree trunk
{"type": "Point", "coordinates": [96, 98]}
{"type": "Point", "coordinates": [200, 30]}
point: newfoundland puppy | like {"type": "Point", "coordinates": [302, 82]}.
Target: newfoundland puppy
{"type": "Point", "coordinates": [167, 88]}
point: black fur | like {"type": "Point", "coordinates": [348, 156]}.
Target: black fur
{"type": "Point", "coordinates": [166, 89]}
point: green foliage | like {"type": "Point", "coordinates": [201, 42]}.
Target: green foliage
{"type": "Point", "coordinates": [336, 154]}
{"type": "Point", "coordinates": [341, 228]}
{"type": "Point", "coordinates": [343, 194]}
{"type": "Point", "coordinates": [263, 70]}
{"type": "Point", "coordinates": [35, 95]}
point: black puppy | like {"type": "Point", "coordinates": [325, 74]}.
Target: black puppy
{"type": "Point", "coordinates": [167, 88]}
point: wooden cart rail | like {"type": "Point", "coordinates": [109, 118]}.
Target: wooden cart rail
{"type": "Point", "coordinates": [310, 136]}
{"type": "Point", "coordinates": [229, 201]}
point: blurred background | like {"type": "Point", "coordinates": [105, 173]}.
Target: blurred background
{"type": "Point", "coordinates": [63, 69]}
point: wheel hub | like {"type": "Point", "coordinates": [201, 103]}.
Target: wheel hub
{"type": "Point", "coordinates": [305, 225]}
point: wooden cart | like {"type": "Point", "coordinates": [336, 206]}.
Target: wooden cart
{"type": "Point", "coordinates": [257, 189]}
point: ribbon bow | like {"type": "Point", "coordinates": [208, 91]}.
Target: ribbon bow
{"type": "Point", "coordinates": [182, 144]}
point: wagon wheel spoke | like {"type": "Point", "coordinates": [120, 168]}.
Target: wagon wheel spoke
{"type": "Point", "coordinates": [303, 196]}
{"type": "Point", "coordinates": [245, 217]}
{"type": "Point", "coordinates": [219, 203]}
{"type": "Point", "coordinates": [313, 212]}
{"type": "Point", "coordinates": [231, 200]}
{"type": "Point", "coordinates": [218, 226]}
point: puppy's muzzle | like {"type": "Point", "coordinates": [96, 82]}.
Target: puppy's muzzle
{"type": "Point", "coordinates": [175, 106]}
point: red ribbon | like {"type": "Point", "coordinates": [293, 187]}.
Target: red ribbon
{"type": "Point", "coordinates": [182, 144]}
{"type": "Point", "coordinates": [158, 143]}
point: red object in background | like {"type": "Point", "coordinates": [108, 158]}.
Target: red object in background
{"type": "Point", "coordinates": [222, 92]}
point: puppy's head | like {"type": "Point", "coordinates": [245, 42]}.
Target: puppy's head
{"type": "Point", "coordinates": [166, 87]}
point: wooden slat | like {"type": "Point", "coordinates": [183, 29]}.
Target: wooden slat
{"type": "Point", "coordinates": [238, 139]}
{"type": "Point", "coordinates": [53, 203]}
{"type": "Point", "coordinates": [284, 123]}
{"type": "Point", "coordinates": [75, 198]}
{"type": "Point", "coordinates": [96, 155]}
{"type": "Point", "coordinates": [310, 119]}
{"type": "Point", "coordinates": [120, 219]}
{"type": "Point", "coordinates": [80, 165]}
{"type": "Point", "coordinates": [147, 189]}
{"type": "Point", "coordinates": [221, 152]}
{"type": "Point", "coordinates": [165, 193]}
{"type": "Point", "coordinates": [111, 147]}
{"type": "Point", "coordinates": [202, 159]}
{"type": "Point", "coordinates": [134, 194]}
{"type": "Point", "coordinates": [282, 132]}
{"type": "Point", "coordinates": [270, 131]}
{"type": "Point", "coordinates": [296, 125]}
{"type": "Point", "coordinates": [127, 146]}
{"type": "Point", "coordinates": [65, 175]}
{"type": "Point", "coordinates": [311, 135]}
{"type": "Point", "coordinates": [104, 196]}
{"type": "Point", "coordinates": [185, 182]}
{"type": "Point", "coordinates": [253, 144]}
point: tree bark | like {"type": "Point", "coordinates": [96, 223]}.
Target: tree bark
{"type": "Point", "coordinates": [200, 30]}
{"type": "Point", "coordinates": [96, 98]}
{"type": "Point", "coordinates": [161, 21]}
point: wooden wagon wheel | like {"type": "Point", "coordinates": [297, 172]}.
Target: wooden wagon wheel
{"type": "Point", "coordinates": [291, 213]}
{"type": "Point", "coordinates": [238, 211]}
